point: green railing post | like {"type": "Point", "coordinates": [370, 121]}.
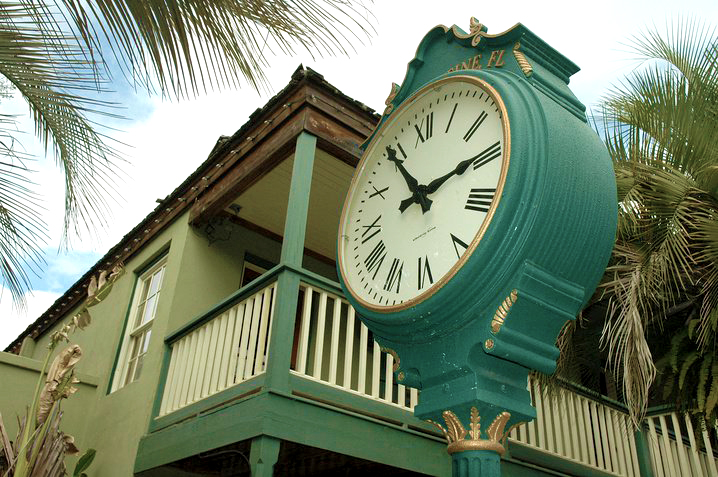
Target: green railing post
{"type": "Point", "coordinates": [643, 453]}
{"type": "Point", "coordinates": [287, 295]}
{"type": "Point", "coordinates": [263, 455]}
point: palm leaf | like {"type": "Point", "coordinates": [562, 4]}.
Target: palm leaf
{"type": "Point", "coordinates": [191, 46]}
{"type": "Point", "coordinates": [661, 126]}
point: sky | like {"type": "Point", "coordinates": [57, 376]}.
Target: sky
{"type": "Point", "coordinates": [169, 140]}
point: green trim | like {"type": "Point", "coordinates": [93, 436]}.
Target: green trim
{"type": "Point", "coordinates": [555, 462]}
{"type": "Point", "coordinates": [321, 394]}
{"type": "Point", "coordinates": [224, 304]}
{"type": "Point", "coordinates": [643, 454]}
{"type": "Point", "coordinates": [313, 279]}
{"type": "Point", "coordinates": [299, 420]}
{"type": "Point", "coordinates": [281, 338]}
{"type": "Point", "coordinates": [308, 277]}
{"type": "Point", "coordinates": [578, 389]}
{"type": "Point", "coordinates": [161, 381]}
{"type": "Point", "coordinates": [263, 455]}
{"type": "Point", "coordinates": [34, 365]}
{"type": "Point", "coordinates": [225, 398]}
{"type": "Point", "coordinates": [295, 224]}
{"type": "Point", "coordinates": [662, 409]}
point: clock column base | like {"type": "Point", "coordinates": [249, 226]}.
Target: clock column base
{"type": "Point", "coordinates": [476, 463]}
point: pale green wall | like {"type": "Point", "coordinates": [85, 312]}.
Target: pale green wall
{"type": "Point", "coordinates": [18, 380]}
{"type": "Point", "coordinates": [197, 276]}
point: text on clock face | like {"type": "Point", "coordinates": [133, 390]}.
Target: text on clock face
{"type": "Point", "coordinates": [424, 189]}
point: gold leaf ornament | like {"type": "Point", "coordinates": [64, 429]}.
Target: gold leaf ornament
{"type": "Point", "coordinates": [477, 30]}
{"type": "Point", "coordinates": [455, 433]}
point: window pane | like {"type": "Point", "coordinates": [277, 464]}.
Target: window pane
{"type": "Point", "coordinates": [130, 371]}
{"type": "Point", "coordinates": [138, 367]}
{"type": "Point", "coordinates": [149, 310]}
{"type": "Point", "coordinates": [146, 342]}
{"type": "Point", "coordinates": [156, 281]}
{"type": "Point", "coordinates": [140, 314]}
{"type": "Point", "coordinates": [134, 346]}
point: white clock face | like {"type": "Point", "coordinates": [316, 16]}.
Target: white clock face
{"type": "Point", "coordinates": [424, 193]}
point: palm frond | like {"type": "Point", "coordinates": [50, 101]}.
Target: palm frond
{"type": "Point", "coordinates": [661, 127]}
{"type": "Point", "coordinates": [192, 46]}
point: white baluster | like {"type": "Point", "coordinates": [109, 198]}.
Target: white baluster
{"type": "Point", "coordinates": [319, 344]}
{"type": "Point", "coordinates": [304, 330]}
{"type": "Point", "coordinates": [363, 339]}
{"type": "Point", "coordinates": [349, 349]}
{"type": "Point", "coordinates": [334, 352]}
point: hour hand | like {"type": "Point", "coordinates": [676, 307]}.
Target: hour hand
{"type": "Point", "coordinates": [411, 183]}
{"type": "Point", "coordinates": [418, 197]}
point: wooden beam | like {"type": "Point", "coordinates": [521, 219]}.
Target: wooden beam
{"type": "Point", "coordinates": [252, 167]}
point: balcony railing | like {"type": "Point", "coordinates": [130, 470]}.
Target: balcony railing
{"type": "Point", "coordinates": [335, 348]}
{"type": "Point", "coordinates": [228, 349]}
{"type": "Point", "coordinates": [582, 430]}
{"type": "Point", "coordinates": [331, 346]}
{"type": "Point", "coordinates": [675, 448]}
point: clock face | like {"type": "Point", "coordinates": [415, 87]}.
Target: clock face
{"type": "Point", "coordinates": [424, 193]}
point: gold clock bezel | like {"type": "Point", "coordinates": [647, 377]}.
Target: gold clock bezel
{"type": "Point", "coordinates": [506, 154]}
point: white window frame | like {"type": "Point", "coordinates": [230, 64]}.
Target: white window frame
{"type": "Point", "coordinates": [138, 329]}
{"type": "Point", "coordinates": [253, 267]}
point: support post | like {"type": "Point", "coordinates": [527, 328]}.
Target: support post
{"type": "Point", "coordinates": [287, 295]}
{"type": "Point", "coordinates": [263, 455]}
{"type": "Point", "coordinates": [472, 454]}
{"type": "Point", "coordinates": [295, 224]}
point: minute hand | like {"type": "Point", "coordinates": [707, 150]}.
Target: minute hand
{"type": "Point", "coordinates": [434, 185]}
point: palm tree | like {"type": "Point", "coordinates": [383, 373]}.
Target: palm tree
{"type": "Point", "coordinates": [662, 282]}
{"type": "Point", "coordinates": [56, 55]}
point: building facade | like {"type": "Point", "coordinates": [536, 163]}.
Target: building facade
{"type": "Point", "coordinates": [227, 347]}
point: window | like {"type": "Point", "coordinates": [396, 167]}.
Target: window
{"type": "Point", "coordinates": [139, 325]}
{"type": "Point", "coordinates": [253, 268]}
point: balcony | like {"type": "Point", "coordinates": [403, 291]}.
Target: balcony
{"type": "Point", "coordinates": [225, 359]}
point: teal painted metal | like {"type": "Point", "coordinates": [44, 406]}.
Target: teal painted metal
{"type": "Point", "coordinates": [295, 223]}
{"type": "Point", "coordinates": [263, 455]}
{"type": "Point", "coordinates": [479, 463]}
{"type": "Point", "coordinates": [474, 341]}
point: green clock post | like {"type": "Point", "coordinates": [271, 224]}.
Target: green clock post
{"type": "Point", "coordinates": [479, 220]}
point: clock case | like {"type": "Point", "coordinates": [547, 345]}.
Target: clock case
{"type": "Point", "coordinates": [472, 342]}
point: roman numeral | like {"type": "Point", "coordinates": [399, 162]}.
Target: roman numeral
{"type": "Point", "coordinates": [427, 125]}
{"type": "Point", "coordinates": [458, 243]}
{"type": "Point", "coordinates": [451, 118]}
{"type": "Point", "coordinates": [475, 126]}
{"type": "Point", "coordinates": [369, 229]}
{"type": "Point", "coordinates": [375, 258]}
{"type": "Point", "coordinates": [394, 277]}
{"type": "Point", "coordinates": [401, 149]}
{"type": "Point", "coordinates": [487, 155]}
{"type": "Point", "coordinates": [378, 192]}
{"type": "Point", "coordinates": [424, 273]}
{"type": "Point", "coordinates": [480, 199]}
